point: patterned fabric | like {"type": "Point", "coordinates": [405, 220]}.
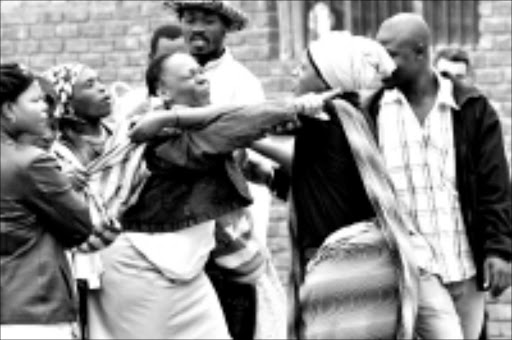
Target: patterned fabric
{"type": "Point", "coordinates": [421, 162]}
{"type": "Point", "coordinates": [351, 287]}
{"type": "Point", "coordinates": [238, 19]}
{"type": "Point", "coordinates": [63, 78]}
{"type": "Point", "coordinates": [114, 180]}
{"type": "Point", "coordinates": [395, 224]}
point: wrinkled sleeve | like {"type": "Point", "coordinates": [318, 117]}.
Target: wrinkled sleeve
{"type": "Point", "coordinates": [237, 128]}
{"type": "Point", "coordinates": [50, 193]}
{"type": "Point", "coordinates": [494, 206]}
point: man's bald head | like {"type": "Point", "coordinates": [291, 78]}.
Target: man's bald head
{"type": "Point", "coordinates": [406, 28]}
{"type": "Point", "coordinates": [406, 37]}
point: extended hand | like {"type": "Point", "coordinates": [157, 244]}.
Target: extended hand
{"type": "Point", "coordinates": [258, 172]}
{"type": "Point", "coordinates": [497, 274]}
{"type": "Point", "coordinates": [78, 178]}
{"type": "Point", "coordinates": [148, 126]}
{"type": "Point", "coordinates": [311, 104]}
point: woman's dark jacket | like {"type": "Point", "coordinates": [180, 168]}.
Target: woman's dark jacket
{"type": "Point", "coordinates": [40, 216]}
{"type": "Point", "coordinates": [194, 175]}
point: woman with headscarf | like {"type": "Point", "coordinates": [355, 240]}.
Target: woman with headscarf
{"type": "Point", "coordinates": [83, 103]}
{"type": "Point", "coordinates": [354, 275]}
{"type": "Point", "coordinates": [41, 216]}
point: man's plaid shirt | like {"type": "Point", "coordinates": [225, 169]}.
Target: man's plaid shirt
{"type": "Point", "coordinates": [421, 162]}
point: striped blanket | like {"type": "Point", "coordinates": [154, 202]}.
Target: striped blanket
{"type": "Point", "coordinates": [114, 182]}
{"type": "Point", "coordinates": [351, 287]}
{"type": "Point", "coordinates": [342, 283]}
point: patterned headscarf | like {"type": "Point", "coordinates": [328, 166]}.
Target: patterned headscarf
{"type": "Point", "coordinates": [350, 63]}
{"type": "Point", "coordinates": [63, 78]}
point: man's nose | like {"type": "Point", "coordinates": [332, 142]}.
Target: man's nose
{"type": "Point", "coordinates": [102, 88]}
{"type": "Point", "coordinates": [197, 27]}
{"type": "Point", "coordinates": [201, 79]}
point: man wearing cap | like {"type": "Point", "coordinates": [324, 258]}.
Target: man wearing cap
{"type": "Point", "coordinates": [205, 25]}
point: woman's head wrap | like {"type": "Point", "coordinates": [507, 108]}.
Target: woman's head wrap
{"type": "Point", "coordinates": [350, 63]}
{"type": "Point", "coordinates": [63, 78]}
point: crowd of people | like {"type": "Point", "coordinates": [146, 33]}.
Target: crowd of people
{"type": "Point", "coordinates": [145, 215]}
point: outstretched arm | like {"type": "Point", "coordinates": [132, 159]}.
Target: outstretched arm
{"type": "Point", "coordinates": [151, 124]}
{"type": "Point", "coordinates": [229, 128]}
{"type": "Point", "coordinates": [278, 152]}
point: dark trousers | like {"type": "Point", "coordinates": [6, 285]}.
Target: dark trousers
{"type": "Point", "coordinates": [238, 302]}
{"type": "Point", "coordinates": [83, 317]}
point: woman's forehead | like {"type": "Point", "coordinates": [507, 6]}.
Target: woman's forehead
{"type": "Point", "coordinates": [180, 63]}
{"type": "Point", "coordinates": [86, 74]}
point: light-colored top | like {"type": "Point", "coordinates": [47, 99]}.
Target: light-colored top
{"type": "Point", "coordinates": [232, 82]}
{"type": "Point", "coordinates": [421, 162]}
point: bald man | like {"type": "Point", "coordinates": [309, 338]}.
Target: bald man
{"type": "Point", "coordinates": [443, 146]}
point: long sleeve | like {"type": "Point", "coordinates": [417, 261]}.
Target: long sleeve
{"type": "Point", "coordinates": [51, 195]}
{"type": "Point", "coordinates": [237, 128]}
{"type": "Point", "coordinates": [493, 196]}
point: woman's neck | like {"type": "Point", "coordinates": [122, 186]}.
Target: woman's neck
{"type": "Point", "coordinates": [90, 128]}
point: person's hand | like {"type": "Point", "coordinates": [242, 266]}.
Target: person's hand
{"type": "Point", "coordinates": [78, 178]}
{"type": "Point", "coordinates": [147, 127]}
{"type": "Point", "coordinates": [284, 128]}
{"type": "Point", "coordinates": [312, 104]}
{"type": "Point", "coordinates": [497, 275]}
{"type": "Point", "coordinates": [257, 172]}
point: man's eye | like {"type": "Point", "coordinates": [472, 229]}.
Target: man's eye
{"type": "Point", "coordinates": [188, 21]}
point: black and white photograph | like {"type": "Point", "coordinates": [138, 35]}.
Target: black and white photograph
{"type": "Point", "coordinates": [256, 169]}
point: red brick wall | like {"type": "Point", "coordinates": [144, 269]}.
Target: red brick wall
{"type": "Point", "coordinates": [113, 37]}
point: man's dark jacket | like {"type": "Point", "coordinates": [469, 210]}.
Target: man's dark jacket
{"type": "Point", "coordinates": [483, 178]}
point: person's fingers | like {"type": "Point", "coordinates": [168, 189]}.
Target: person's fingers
{"type": "Point", "coordinates": [487, 274]}
{"type": "Point", "coordinates": [497, 287]}
{"type": "Point", "coordinates": [330, 94]}
{"type": "Point", "coordinates": [502, 282]}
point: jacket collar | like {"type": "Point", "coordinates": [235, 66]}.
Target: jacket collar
{"type": "Point", "coordinates": [462, 93]}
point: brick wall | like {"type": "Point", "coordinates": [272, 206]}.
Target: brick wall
{"type": "Point", "coordinates": [493, 69]}
{"type": "Point", "coordinates": [113, 37]}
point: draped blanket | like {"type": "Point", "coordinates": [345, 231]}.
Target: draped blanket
{"type": "Point", "coordinates": [355, 276]}
{"type": "Point", "coordinates": [351, 287]}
